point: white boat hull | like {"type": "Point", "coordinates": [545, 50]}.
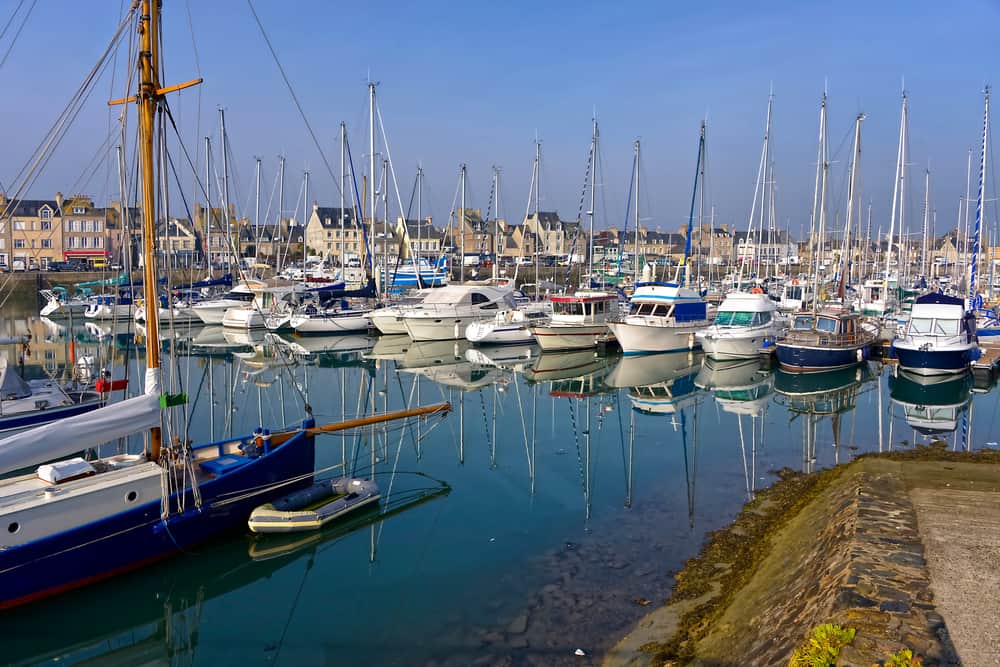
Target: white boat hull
{"type": "Point", "coordinates": [243, 318]}
{"type": "Point", "coordinates": [650, 339]}
{"type": "Point", "coordinates": [491, 333]}
{"type": "Point", "coordinates": [388, 321]}
{"type": "Point", "coordinates": [444, 327]}
{"type": "Point", "coordinates": [320, 324]}
{"type": "Point", "coordinates": [212, 312]}
{"type": "Point", "coordinates": [106, 312]}
{"type": "Point", "coordinates": [570, 336]}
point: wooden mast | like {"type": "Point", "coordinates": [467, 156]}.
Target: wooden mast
{"type": "Point", "coordinates": [148, 100]}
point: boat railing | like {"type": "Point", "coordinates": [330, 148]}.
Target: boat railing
{"type": "Point", "coordinates": [812, 337]}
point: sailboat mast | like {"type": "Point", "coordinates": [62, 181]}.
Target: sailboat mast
{"type": "Point", "coordinates": [635, 253]}
{"type": "Point", "coordinates": [281, 203]}
{"type": "Point", "coordinates": [208, 199]}
{"type": "Point", "coordinates": [979, 198]}
{"type": "Point", "coordinates": [927, 219]}
{"type": "Point", "coordinates": [371, 167]}
{"type": "Point", "coordinates": [420, 218]}
{"type": "Point", "coordinates": [896, 201]}
{"type": "Point", "coordinates": [538, 156]}
{"type": "Point", "coordinates": [824, 165]}
{"type": "Point", "coordinates": [343, 181]}
{"type": "Point", "coordinates": [593, 205]}
{"type": "Point", "coordinates": [496, 221]}
{"type": "Point", "coordinates": [903, 132]}
{"type": "Point", "coordinates": [694, 194]}
{"type": "Point", "coordinates": [765, 162]}
{"type": "Point", "coordinates": [148, 101]}
{"type": "Point", "coordinates": [461, 226]}
{"type": "Point", "coordinates": [851, 195]}
{"type": "Point", "coordinates": [225, 189]}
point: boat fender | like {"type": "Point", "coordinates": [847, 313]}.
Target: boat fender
{"type": "Point", "coordinates": [861, 354]}
{"type": "Point", "coordinates": [975, 354]}
{"type": "Point", "coordinates": [756, 290]}
{"type": "Point", "coordinates": [266, 440]}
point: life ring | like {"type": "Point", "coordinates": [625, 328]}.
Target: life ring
{"type": "Point", "coordinates": [756, 290]}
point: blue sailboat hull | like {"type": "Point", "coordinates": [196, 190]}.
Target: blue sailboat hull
{"type": "Point", "coordinates": [138, 537]}
{"type": "Point", "coordinates": [804, 359]}
{"type": "Point", "coordinates": [39, 417]}
{"type": "Point", "coordinates": [934, 362]}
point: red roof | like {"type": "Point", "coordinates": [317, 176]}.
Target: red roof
{"type": "Point", "coordinates": [583, 299]}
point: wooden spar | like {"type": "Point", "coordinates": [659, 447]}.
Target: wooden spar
{"type": "Point", "coordinates": [427, 410]}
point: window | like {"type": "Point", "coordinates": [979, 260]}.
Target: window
{"type": "Point", "coordinates": [45, 214]}
{"type": "Point", "coordinates": [88, 225]}
{"type": "Point", "coordinates": [99, 242]}
{"type": "Point", "coordinates": [19, 225]}
{"type": "Point", "coordinates": [803, 323]}
{"type": "Point", "coordinates": [946, 327]}
{"type": "Point", "coordinates": [79, 210]}
{"type": "Point", "coordinates": [46, 243]}
{"type": "Point", "coordinates": [98, 225]}
{"type": "Point", "coordinates": [735, 318]}
{"type": "Point", "coordinates": [46, 225]}
{"type": "Point", "coordinates": [18, 243]}
{"type": "Point", "coordinates": [921, 325]}
{"type": "Point", "coordinates": [827, 324]}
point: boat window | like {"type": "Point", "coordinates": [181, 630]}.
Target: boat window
{"type": "Point", "coordinates": [478, 298]}
{"type": "Point", "coordinates": [946, 327]}
{"type": "Point", "coordinates": [803, 323]}
{"type": "Point", "coordinates": [921, 325]}
{"type": "Point", "coordinates": [734, 318]}
{"type": "Point", "coordinates": [661, 311]}
{"type": "Point", "coordinates": [490, 306]}
{"type": "Point", "coordinates": [827, 324]}
{"type": "Point", "coordinates": [572, 308]}
{"type": "Point", "coordinates": [597, 307]}
{"type": "Point", "coordinates": [765, 317]}
{"type": "Point", "coordinates": [794, 292]}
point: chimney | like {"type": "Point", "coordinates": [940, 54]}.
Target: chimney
{"type": "Point", "coordinates": [59, 201]}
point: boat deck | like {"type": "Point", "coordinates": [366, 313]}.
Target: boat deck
{"type": "Point", "coordinates": [989, 361]}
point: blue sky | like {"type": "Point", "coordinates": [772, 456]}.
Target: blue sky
{"type": "Point", "coordinates": [474, 83]}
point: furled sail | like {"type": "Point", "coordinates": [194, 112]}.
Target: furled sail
{"type": "Point", "coordinates": [74, 434]}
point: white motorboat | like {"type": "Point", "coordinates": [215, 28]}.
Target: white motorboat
{"type": "Point", "coordinates": [509, 327]}
{"type": "Point", "coordinates": [446, 312]}
{"type": "Point", "coordinates": [745, 323]}
{"type": "Point", "coordinates": [389, 319]}
{"type": "Point", "coordinates": [796, 295]}
{"type": "Point", "coordinates": [663, 317]}
{"type": "Point", "coordinates": [579, 321]}
{"type": "Point", "coordinates": [109, 307]}
{"type": "Point", "coordinates": [940, 338]}
{"type": "Point", "coordinates": [337, 320]}
{"type": "Point", "coordinates": [59, 304]}
{"type": "Point", "coordinates": [267, 302]}
{"type": "Point", "coordinates": [212, 311]}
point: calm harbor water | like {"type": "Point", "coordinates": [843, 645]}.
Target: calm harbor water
{"type": "Point", "coordinates": [538, 518]}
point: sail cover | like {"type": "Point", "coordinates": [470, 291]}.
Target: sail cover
{"type": "Point", "coordinates": [12, 385]}
{"type": "Point", "coordinates": [75, 434]}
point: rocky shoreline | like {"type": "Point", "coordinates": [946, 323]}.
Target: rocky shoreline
{"type": "Point", "coordinates": [841, 546]}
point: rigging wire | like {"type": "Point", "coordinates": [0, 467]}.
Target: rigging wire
{"type": "Point", "coordinates": [17, 34]}
{"type": "Point", "coordinates": [295, 98]}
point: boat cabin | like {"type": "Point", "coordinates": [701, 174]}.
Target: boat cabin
{"type": "Point", "coordinates": [584, 307]}
{"type": "Point", "coordinates": [940, 316]}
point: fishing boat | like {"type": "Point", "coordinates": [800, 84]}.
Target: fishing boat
{"type": "Point", "coordinates": [578, 321]}
{"type": "Point", "coordinates": [314, 507]}
{"type": "Point", "coordinates": [940, 338]}
{"type": "Point", "coordinates": [76, 522]}
{"type": "Point", "coordinates": [831, 337]}
{"type": "Point", "coordinates": [446, 312]}
{"type": "Point", "coordinates": [744, 325]}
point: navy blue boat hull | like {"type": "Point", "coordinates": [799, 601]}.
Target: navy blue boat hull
{"type": "Point", "coordinates": [39, 417]}
{"type": "Point", "coordinates": [138, 537]}
{"type": "Point", "coordinates": [933, 362]}
{"type": "Point", "coordinates": [816, 359]}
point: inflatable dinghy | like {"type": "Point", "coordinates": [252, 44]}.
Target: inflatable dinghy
{"type": "Point", "coordinates": [314, 507]}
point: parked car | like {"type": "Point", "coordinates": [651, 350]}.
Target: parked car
{"type": "Point", "coordinates": [33, 266]}
{"type": "Point", "coordinates": [18, 265]}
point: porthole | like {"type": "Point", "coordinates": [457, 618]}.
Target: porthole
{"type": "Point", "coordinates": [14, 527]}
{"type": "Point", "coordinates": [131, 496]}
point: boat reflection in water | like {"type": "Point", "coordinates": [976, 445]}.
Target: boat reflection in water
{"type": "Point", "coordinates": [162, 624]}
{"type": "Point", "coordinates": [658, 383]}
{"type": "Point", "coordinates": [444, 362]}
{"type": "Point", "coordinates": [933, 405]}
{"type": "Point", "coordinates": [517, 358]}
{"type": "Point", "coordinates": [663, 384]}
{"type": "Point", "coordinates": [574, 365]}
{"type": "Point", "coordinates": [741, 387]}
{"type": "Point", "coordinates": [818, 395]}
